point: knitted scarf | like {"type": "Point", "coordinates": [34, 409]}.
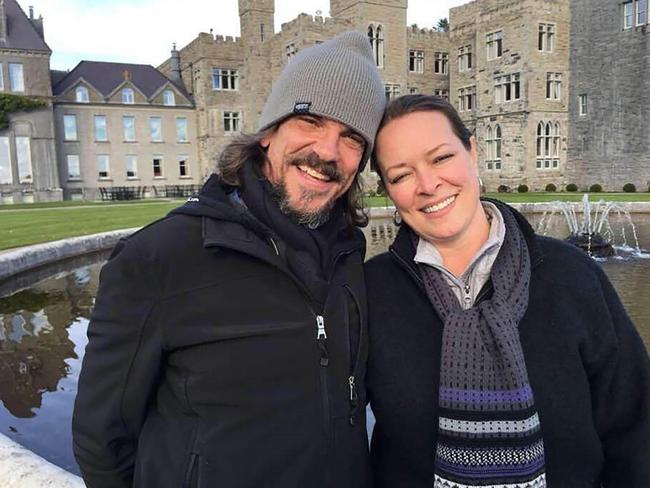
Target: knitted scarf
{"type": "Point", "coordinates": [488, 433]}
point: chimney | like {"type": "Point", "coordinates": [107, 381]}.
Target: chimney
{"type": "Point", "coordinates": [3, 21]}
{"type": "Point", "coordinates": [37, 23]}
{"type": "Point", "coordinates": [175, 65]}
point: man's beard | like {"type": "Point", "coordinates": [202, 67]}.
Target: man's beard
{"type": "Point", "coordinates": [311, 219]}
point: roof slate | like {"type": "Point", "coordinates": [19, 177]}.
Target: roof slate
{"type": "Point", "coordinates": [106, 77]}
{"type": "Point", "coordinates": [21, 34]}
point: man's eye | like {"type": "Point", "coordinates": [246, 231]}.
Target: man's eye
{"type": "Point", "coordinates": [310, 121]}
{"type": "Point", "coordinates": [356, 141]}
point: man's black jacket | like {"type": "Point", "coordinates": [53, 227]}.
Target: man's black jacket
{"type": "Point", "coordinates": [206, 366]}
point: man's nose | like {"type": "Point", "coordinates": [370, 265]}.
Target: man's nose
{"type": "Point", "coordinates": [327, 145]}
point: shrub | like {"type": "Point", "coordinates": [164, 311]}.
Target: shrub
{"type": "Point", "coordinates": [381, 189]}
{"type": "Point", "coordinates": [629, 188]}
{"type": "Point", "coordinates": [522, 188]}
{"type": "Point", "coordinates": [503, 189]}
{"type": "Point", "coordinates": [551, 187]}
{"type": "Point", "coordinates": [572, 187]}
{"type": "Point", "coordinates": [595, 188]}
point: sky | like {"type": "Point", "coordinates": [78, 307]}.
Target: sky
{"type": "Point", "coordinates": [142, 31]}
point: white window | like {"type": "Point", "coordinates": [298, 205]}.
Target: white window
{"type": "Point", "coordinates": [507, 88]}
{"type": "Point", "coordinates": [376, 38]}
{"type": "Point", "coordinates": [131, 166]}
{"type": "Point", "coordinates": [416, 61]}
{"type": "Point", "coordinates": [467, 98]}
{"type": "Point", "coordinates": [128, 128]}
{"type": "Point", "coordinates": [16, 80]}
{"type": "Point", "coordinates": [168, 98]}
{"type": "Point", "coordinates": [494, 44]}
{"type": "Point", "coordinates": [81, 94]}
{"type": "Point", "coordinates": [181, 129]}
{"type": "Point", "coordinates": [392, 91]}
{"type": "Point", "coordinates": [6, 174]}
{"type": "Point", "coordinates": [24, 159]}
{"type": "Point", "coordinates": [70, 128]}
{"type": "Point", "coordinates": [231, 121]}
{"type": "Point", "coordinates": [291, 51]}
{"type": "Point", "coordinates": [103, 167]}
{"type": "Point", "coordinates": [546, 37]}
{"type": "Point", "coordinates": [183, 166]}
{"type": "Point", "coordinates": [127, 96]}
{"type": "Point", "coordinates": [442, 94]}
{"type": "Point", "coordinates": [157, 164]}
{"type": "Point", "coordinates": [2, 77]}
{"type": "Point", "coordinates": [628, 15]}
{"type": "Point", "coordinates": [548, 145]}
{"type": "Point", "coordinates": [493, 147]}
{"type": "Point", "coordinates": [101, 132]}
{"type": "Point", "coordinates": [413, 90]}
{"type": "Point", "coordinates": [155, 129]}
{"type": "Point", "coordinates": [465, 58]}
{"type": "Point", "coordinates": [582, 104]}
{"type": "Point", "coordinates": [441, 63]}
{"type": "Point", "coordinates": [225, 79]}
{"type": "Point", "coordinates": [553, 86]}
{"type": "Point", "coordinates": [74, 170]}
{"type": "Point", "coordinates": [641, 12]}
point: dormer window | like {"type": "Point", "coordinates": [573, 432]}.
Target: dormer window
{"type": "Point", "coordinates": [127, 96]}
{"type": "Point", "coordinates": [81, 94]}
{"type": "Point", "coordinates": [168, 98]}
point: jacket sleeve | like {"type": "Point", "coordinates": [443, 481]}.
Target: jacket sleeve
{"type": "Point", "coordinates": [119, 372]}
{"type": "Point", "coordinates": [619, 374]}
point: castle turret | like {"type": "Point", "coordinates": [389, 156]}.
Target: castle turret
{"type": "Point", "coordinates": [256, 20]}
{"type": "Point", "coordinates": [175, 65]}
{"type": "Point", "coordinates": [37, 23]}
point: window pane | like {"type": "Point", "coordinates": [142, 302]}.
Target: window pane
{"type": "Point", "coordinates": [16, 80]}
{"type": "Point", "coordinates": [127, 95]}
{"type": "Point", "coordinates": [103, 170]}
{"type": "Point", "coordinates": [2, 78]}
{"type": "Point", "coordinates": [181, 129]}
{"type": "Point", "coordinates": [157, 167]}
{"type": "Point", "coordinates": [155, 128]}
{"type": "Point", "coordinates": [6, 175]}
{"type": "Point", "coordinates": [128, 124]}
{"type": "Point", "coordinates": [24, 159]}
{"type": "Point", "coordinates": [74, 172]}
{"type": "Point", "coordinates": [131, 166]}
{"type": "Point", "coordinates": [81, 94]}
{"type": "Point", "coordinates": [183, 165]}
{"type": "Point", "coordinates": [101, 134]}
{"type": "Point", "coordinates": [70, 127]}
{"type": "Point", "coordinates": [168, 98]}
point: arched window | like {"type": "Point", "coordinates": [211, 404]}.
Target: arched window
{"type": "Point", "coordinates": [127, 95]}
{"type": "Point", "coordinates": [548, 145]}
{"type": "Point", "coordinates": [168, 98]}
{"type": "Point", "coordinates": [493, 147]}
{"type": "Point", "coordinates": [497, 147]}
{"type": "Point", "coordinates": [489, 149]}
{"type": "Point", "coordinates": [376, 38]}
{"type": "Point", "coordinates": [556, 146]}
{"type": "Point", "coordinates": [81, 94]}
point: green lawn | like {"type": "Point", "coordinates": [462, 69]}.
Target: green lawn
{"type": "Point", "coordinates": [22, 225]}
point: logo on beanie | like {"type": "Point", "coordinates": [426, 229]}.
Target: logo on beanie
{"type": "Point", "coordinates": [301, 107]}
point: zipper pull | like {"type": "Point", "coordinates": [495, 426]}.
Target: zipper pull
{"type": "Point", "coordinates": [320, 323]}
{"type": "Point", "coordinates": [353, 392]}
{"type": "Point", "coordinates": [321, 337]}
{"type": "Point", "coordinates": [468, 295]}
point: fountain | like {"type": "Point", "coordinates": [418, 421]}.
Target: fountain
{"type": "Point", "coordinates": [593, 233]}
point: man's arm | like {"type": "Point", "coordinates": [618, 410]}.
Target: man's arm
{"type": "Point", "coordinates": [119, 372]}
{"type": "Point", "coordinates": [620, 385]}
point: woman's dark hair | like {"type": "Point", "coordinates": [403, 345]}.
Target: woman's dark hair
{"type": "Point", "coordinates": [409, 104]}
{"type": "Point", "coordinates": [248, 147]}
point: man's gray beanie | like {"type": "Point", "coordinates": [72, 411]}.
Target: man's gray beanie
{"type": "Point", "coordinates": [336, 79]}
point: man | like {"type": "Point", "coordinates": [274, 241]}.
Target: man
{"type": "Point", "coordinates": [227, 346]}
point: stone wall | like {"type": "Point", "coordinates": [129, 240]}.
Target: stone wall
{"type": "Point", "coordinates": [610, 145]}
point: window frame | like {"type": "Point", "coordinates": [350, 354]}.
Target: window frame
{"type": "Point", "coordinates": [97, 117]}
{"type": "Point", "coordinates": [494, 42]}
{"type": "Point", "coordinates": [72, 177]}
{"type": "Point", "coordinates": [67, 136]}
{"type": "Point", "coordinates": [24, 159]}
{"type": "Point", "coordinates": [441, 63]}
{"type": "Point", "coordinates": [128, 96]}
{"type": "Point", "coordinates": [124, 129]}
{"type": "Point", "coordinates": [161, 167]}
{"type": "Point", "coordinates": [583, 104]}
{"type": "Point", "coordinates": [416, 61]}
{"type": "Point", "coordinates": [169, 98]}
{"type": "Point", "coordinates": [107, 159]}
{"type": "Point", "coordinates": [152, 128]}
{"type": "Point", "coordinates": [128, 159]}
{"type": "Point", "coordinates": [221, 74]}
{"type": "Point", "coordinates": [12, 81]}
{"type": "Point", "coordinates": [233, 119]}
{"type": "Point", "coordinates": [186, 159]}
{"type": "Point", "coordinates": [83, 91]}
{"type": "Point", "coordinates": [5, 142]}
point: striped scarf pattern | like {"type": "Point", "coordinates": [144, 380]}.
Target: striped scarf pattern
{"type": "Point", "coordinates": [489, 432]}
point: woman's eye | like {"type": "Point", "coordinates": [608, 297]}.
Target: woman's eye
{"type": "Point", "coordinates": [397, 179]}
{"type": "Point", "coordinates": [442, 158]}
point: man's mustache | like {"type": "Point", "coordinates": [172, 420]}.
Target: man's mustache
{"type": "Point", "coordinates": [314, 161]}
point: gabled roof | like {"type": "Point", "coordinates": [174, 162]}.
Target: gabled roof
{"type": "Point", "coordinates": [21, 34]}
{"type": "Point", "coordinates": [106, 77]}
{"type": "Point", "coordinates": [57, 75]}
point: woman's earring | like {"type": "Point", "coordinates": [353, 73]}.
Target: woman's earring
{"type": "Point", "coordinates": [480, 185]}
{"type": "Point", "coordinates": [397, 219]}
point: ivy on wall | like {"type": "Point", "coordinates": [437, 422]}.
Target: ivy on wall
{"type": "Point", "coordinates": [16, 103]}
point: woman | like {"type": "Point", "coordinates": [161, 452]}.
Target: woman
{"type": "Point", "coordinates": [498, 357]}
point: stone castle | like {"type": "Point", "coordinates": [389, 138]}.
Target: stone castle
{"type": "Point", "coordinates": [553, 89]}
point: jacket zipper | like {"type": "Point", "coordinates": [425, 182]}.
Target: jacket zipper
{"type": "Point", "coordinates": [355, 362]}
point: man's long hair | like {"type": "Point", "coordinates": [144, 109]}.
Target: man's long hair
{"type": "Point", "coordinates": [248, 147]}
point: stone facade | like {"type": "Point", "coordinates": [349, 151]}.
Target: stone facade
{"type": "Point", "coordinates": [609, 140]}
{"type": "Point", "coordinates": [28, 169]}
{"type": "Point", "coordinates": [521, 128]}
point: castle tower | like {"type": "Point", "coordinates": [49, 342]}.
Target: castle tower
{"type": "Point", "coordinates": [256, 20]}
{"type": "Point", "coordinates": [385, 23]}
